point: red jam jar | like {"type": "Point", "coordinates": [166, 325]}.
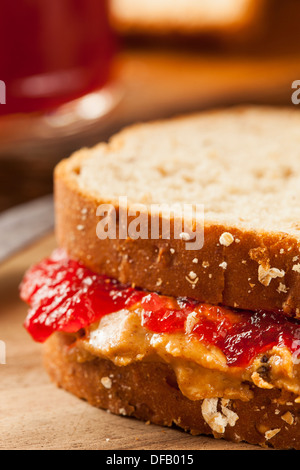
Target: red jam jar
{"type": "Point", "coordinates": [53, 52]}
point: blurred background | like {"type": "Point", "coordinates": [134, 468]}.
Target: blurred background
{"type": "Point", "coordinates": [76, 71]}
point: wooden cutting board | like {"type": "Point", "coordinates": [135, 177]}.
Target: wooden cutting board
{"type": "Point", "coordinates": [37, 415]}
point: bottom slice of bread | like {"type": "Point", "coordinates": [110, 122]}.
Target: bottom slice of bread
{"type": "Point", "coordinates": [149, 391]}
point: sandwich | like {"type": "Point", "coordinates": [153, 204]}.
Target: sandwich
{"type": "Point", "coordinates": [174, 293]}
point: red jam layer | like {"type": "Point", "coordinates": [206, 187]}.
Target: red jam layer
{"type": "Point", "coordinates": [66, 296]}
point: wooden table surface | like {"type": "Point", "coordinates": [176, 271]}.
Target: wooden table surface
{"type": "Point", "coordinates": [37, 415]}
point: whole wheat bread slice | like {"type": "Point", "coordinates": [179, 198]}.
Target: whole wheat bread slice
{"type": "Point", "coordinates": [242, 164]}
{"type": "Point", "coordinates": [149, 391]}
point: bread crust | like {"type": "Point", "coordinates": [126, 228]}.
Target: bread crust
{"type": "Point", "coordinates": [240, 275]}
{"type": "Point", "coordinates": [148, 391]}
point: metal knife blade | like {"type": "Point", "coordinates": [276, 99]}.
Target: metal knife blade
{"type": "Point", "coordinates": [24, 224]}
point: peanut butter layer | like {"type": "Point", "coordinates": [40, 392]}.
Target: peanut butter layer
{"type": "Point", "coordinates": [201, 370]}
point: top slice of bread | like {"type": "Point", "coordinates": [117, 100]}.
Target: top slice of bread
{"type": "Point", "coordinates": [242, 164]}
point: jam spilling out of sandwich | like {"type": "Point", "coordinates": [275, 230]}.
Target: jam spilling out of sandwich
{"type": "Point", "coordinates": [66, 296]}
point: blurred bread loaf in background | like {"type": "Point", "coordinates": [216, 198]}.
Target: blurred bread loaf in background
{"type": "Point", "coordinates": [257, 26]}
{"type": "Point", "coordinates": [186, 16]}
